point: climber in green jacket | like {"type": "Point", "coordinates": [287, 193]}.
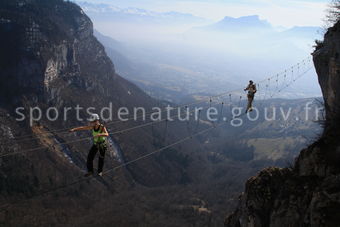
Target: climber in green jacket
{"type": "Point", "coordinates": [100, 135]}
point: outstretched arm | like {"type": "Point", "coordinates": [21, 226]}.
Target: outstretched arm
{"type": "Point", "coordinates": [81, 128]}
{"type": "Point", "coordinates": [247, 88]}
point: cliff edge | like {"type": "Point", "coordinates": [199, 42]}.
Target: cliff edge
{"type": "Point", "coordinates": [308, 194]}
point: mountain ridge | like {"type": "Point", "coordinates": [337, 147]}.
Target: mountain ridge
{"type": "Point", "coordinates": [253, 22]}
{"type": "Point", "coordinates": [55, 61]}
{"type": "Point", "coordinates": [139, 15]}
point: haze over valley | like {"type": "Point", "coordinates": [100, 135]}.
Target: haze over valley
{"type": "Point", "coordinates": [179, 113]}
{"type": "Point", "coordinates": [174, 56]}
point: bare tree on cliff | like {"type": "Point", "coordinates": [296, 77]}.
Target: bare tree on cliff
{"type": "Point", "coordinates": [333, 13]}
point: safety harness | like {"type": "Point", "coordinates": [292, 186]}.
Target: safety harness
{"type": "Point", "coordinates": [100, 139]}
{"type": "Point", "coordinates": [251, 89]}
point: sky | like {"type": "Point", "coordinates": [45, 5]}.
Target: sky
{"type": "Point", "coordinates": [285, 13]}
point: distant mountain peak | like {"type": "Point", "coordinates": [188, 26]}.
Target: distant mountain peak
{"type": "Point", "coordinates": [250, 17]}
{"type": "Point", "coordinates": [241, 23]}
{"type": "Point", "coordinates": [250, 20]}
{"type": "Point", "coordinates": [135, 13]}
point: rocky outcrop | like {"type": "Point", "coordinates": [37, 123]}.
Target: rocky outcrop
{"type": "Point", "coordinates": [308, 194]}
{"type": "Point", "coordinates": [327, 64]}
{"type": "Point", "coordinates": [50, 58]}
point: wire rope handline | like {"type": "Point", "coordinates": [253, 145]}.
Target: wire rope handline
{"type": "Point", "coordinates": [89, 137]}
{"type": "Point", "coordinates": [82, 179]}
{"type": "Point", "coordinates": [151, 112]}
{"type": "Point", "coordinates": [125, 130]}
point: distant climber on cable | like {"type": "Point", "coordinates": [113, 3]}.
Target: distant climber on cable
{"type": "Point", "coordinates": [251, 88]}
{"type": "Point", "coordinates": [100, 135]}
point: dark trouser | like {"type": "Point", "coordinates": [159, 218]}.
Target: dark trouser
{"type": "Point", "coordinates": [250, 101]}
{"type": "Point", "coordinates": [93, 151]}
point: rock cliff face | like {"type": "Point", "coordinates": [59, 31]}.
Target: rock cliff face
{"type": "Point", "coordinates": [308, 194]}
{"type": "Point", "coordinates": [48, 46]}
{"type": "Point", "coordinates": [50, 58]}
